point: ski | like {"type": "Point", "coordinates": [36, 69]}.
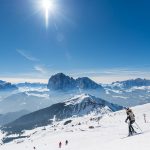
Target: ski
{"type": "Point", "coordinates": [132, 135]}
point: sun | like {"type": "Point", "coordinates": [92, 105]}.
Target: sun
{"type": "Point", "coordinates": [49, 8]}
{"type": "Point", "coordinates": [48, 5]}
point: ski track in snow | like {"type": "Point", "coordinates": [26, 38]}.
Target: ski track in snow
{"type": "Point", "coordinates": [107, 135]}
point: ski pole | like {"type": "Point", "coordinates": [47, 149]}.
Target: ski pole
{"type": "Point", "coordinates": [135, 127]}
{"type": "Point", "coordinates": [138, 126]}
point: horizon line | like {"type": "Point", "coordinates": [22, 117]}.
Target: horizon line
{"type": "Point", "coordinates": [98, 79]}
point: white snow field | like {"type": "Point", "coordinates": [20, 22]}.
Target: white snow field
{"type": "Point", "coordinates": [109, 134]}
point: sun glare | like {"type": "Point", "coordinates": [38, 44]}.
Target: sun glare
{"type": "Point", "coordinates": [47, 4]}
{"type": "Point", "coordinates": [49, 7]}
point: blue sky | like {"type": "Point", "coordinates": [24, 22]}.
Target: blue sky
{"type": "Point", "coordinates": [106, 40]}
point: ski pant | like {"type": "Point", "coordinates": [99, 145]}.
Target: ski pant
{"type": "Point", "coordinates": [131, 129]}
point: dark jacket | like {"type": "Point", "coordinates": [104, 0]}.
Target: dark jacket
{"type": "Point", "coordinates": [130, 116]}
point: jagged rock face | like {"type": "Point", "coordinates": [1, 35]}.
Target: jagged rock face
{"type": "Point", "coordinates": [86, 83]}
{"type": "Point", "coordinates": [7, 86]}
{"type": "Point", "coordinates": [85, 104]}
{"type": "Point", "coordinates": [61, 82]}
{"type": "Point", "coordinates": [77, 106]}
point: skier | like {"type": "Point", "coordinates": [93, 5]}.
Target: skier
{"type": "Point", "coordinates": [145, 118]}
{"type": "Point", "coordinates": [60, 144]}
{"type": "Point", "coordinates": [131, 118]}
{"type": "Point", "coordinates": [66, 142]}
{"type": "Point", "coordinates": [34, 148]}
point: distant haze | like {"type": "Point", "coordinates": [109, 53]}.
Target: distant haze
{"type": "Point", "coordinates": [98, 79]}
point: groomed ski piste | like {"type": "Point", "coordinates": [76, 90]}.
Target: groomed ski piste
{"type": "Point", "coordinates": [87, 133]}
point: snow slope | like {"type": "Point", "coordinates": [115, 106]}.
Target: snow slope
{"type": "Point", "coordinates": [108, 133]}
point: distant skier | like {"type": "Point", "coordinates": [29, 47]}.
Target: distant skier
{"type": "Point", "coordinates": [145, 118]}
{"type": "Point", "coordinates": [66, 142]}
{"type": "Point", "coordinates": [131, 118]}
{"type": "Point", "coordinates": [34, 148]}
{"type": "Point", "coordinates": [60, 144]}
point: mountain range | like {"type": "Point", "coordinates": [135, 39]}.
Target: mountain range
{"type": "Point", "coordinates": [131, 83]}
{"type": "Point", "coordinates": [7, 86]}
{"type": "Point", "coordinates": [11, 116]}
{"type": "Point", "coordinates": [80, 105]}
{"type": "Point", "coordinates": [90, 132]}
{"type": "Point", "coordinates": [23, 101]}
{"type": "Point", "coordinates": [34, 96]}
{"type": "Point", "coordinates": [62, 82]}
{"type": "Point", "coordinates": [46, 101]}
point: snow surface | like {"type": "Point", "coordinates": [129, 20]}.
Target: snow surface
{"type": "Point", "coordinates": [76, 99]}
{"type": "Point", "coordinates": [108, 133]}
{"type": "Point", "coordinates": [123, 97]}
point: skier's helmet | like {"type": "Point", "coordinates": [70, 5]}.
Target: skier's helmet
{"type": "Point", "coordinates": [128, 109]}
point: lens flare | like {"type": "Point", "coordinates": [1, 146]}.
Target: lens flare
{"type": "Point", "coordinates": [49, 7]}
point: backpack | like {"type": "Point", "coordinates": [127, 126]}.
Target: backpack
{"type": "Point", "coordinates": [131, 115]}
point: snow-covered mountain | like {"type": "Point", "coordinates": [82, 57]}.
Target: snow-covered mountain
{"type": "Point", "coordinates": [61, 87]}
{"type": "Point", "coordinates": [131, 83]}
{"type": "Point", "coordinates": [87, 83]}
{"type": "Point", "coordinates": [62, 82]}
{"type": "Point", "coordinates": [89, 132]}
{"type": "Point", "coordinates": [7, 86]}
{"type": "Point", "coordinates": [11, 116]}
{"type": "Point", "coordinates": [128, 93]}
{"type": "Point", "coordinates": [77, 106]}
{"type": "Point", "coordinates": [83, 118]}
{"type": "Point", "coordinates": [22, 100]}
{"type": "Point", "coordinates": [32, 88]}
{"type": "Point", "coordinates": [28, 84]}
